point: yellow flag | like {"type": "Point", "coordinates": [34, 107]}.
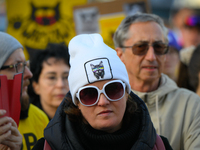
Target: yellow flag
{"type": "Point", "coordinates": [36, 23]}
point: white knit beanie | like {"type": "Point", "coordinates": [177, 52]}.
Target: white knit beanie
{"type": "Point", "coordinates": [8, 45]}
{"type": "Point", "coordinates": [92, 60]}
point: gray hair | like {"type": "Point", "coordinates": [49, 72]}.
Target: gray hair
{"type": "Point", "coordinates": [122, 33]}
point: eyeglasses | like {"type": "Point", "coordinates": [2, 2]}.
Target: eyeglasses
{"type": "Point", "coordinates": [19, 67]}
{"type": "Point", "coordinates": [142, 48]}
{"type": "Point", "coordinates": [89, 95]}
{"type": "Point", "coordinates": [52, 79]}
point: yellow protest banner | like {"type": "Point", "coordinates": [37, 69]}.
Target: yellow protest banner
{"type": "Point", "coordinates": [108, 26]}
{"type": "Point", "coordinates": [35, 23]}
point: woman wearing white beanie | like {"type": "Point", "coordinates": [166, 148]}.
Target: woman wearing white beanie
{"type": "Point", "coordinates": [100, 112]}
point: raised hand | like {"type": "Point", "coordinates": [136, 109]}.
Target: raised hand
{"type": "Point", "coordinates": [10, 138]}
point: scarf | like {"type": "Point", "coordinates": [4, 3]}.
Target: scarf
{"type": "Point", "coordinates": [124, 138]}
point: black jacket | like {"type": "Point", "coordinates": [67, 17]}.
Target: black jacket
{"type": "Point", "coordinates": [60, 132]}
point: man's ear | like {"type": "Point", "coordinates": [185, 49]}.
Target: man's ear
{"type": "Point", "coordinates": [120, 53]}
{"type": "Point", "coordinates": [36, 88]}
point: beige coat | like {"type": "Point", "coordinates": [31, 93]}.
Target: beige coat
{"type": "Point", "coordinates": [175, 113]}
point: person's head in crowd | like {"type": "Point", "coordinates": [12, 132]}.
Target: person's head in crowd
{"type": "Point", "coordinates": [178, 16]}
{"type": "Point", "coordinates": [190, 31]}
{"type": "Point", "coordinates": [99, 111]}
{"type": "Point", "coordinates": [184, 18]}
{"type": "Point", "coordinates": [49, 84]}
{"type": "Point", "coordinates": [96, 67]}
{"type": "Point", "coordinates": [141, 43]}
{"type": "Point", "coordinates": [172, 57]}
{"type": "Point", "coordinates": [12, 61]}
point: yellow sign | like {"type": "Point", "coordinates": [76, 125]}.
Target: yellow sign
{"type": "Point", "coordinates": [35, 23]}
{"type": "Point", "coordinates": [100, 18]}
{"type": "Point", "coordinates": [108, 25]}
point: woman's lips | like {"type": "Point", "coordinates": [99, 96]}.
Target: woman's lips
{"type": "Point", "coordinates": [107, 112]}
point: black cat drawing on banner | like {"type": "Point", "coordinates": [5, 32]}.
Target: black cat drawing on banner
{"type": "Point", "coordinates": [98, 70]}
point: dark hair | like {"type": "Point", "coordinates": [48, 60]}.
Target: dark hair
{"type": "Point", "coordinates": [74, 114]}
{"type": "Point", "coordinates": [58, 51]}
{"type": "Point", "coordinates": [188, 73]}
{"type": "Point", "coordinates": [183, 77]}
{"type": "Point", "coordinates": [194, 69]}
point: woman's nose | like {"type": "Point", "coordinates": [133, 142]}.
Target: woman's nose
{"type": "Point", "coordinates": [60, 82]}
{"type": "Point", "coordinates": [103, 100]}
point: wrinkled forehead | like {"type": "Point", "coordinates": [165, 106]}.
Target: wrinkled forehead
{"type": "Point", "coordinates": [146, 32]}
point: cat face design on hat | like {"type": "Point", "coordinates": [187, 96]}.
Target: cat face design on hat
{"type": "Point", "coordinates": [98, 70]}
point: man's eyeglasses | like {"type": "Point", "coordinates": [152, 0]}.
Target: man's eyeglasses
{"type": "Point", "coordinates": [142, 48]}
{"type": "Point", "coordinates": [113, 90]}
{"type": "Point", "coordinates": [19, 67]}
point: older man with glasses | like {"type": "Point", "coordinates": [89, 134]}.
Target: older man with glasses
{"type": "Point", "coordinates": [32, 119]}
{"type": "Point", "coordinates": [141, 43]}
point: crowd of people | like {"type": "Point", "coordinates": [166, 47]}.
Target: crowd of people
{"type": "Point", "coordinates": [144, 94]}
